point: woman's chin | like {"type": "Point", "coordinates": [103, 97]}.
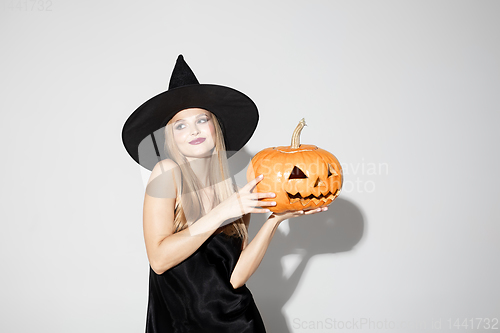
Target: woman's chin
{"type": "Point", "coordinates": [200, 155]}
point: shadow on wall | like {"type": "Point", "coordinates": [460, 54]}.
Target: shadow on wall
{"type": "Point", "coordinates": [337, 230]}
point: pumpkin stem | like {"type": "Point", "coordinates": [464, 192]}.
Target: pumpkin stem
{"type": "Point", "coordinates": [296, 134]}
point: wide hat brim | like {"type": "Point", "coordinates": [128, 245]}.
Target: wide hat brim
{"type": "Point", "coordinates": [236, 112]}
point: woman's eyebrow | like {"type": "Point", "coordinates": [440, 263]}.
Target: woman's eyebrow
{"type": "Point", "coordinates": [198, 116]}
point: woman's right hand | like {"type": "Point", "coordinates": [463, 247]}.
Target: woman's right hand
{"type": "Point", "coordinates": [245, 201]}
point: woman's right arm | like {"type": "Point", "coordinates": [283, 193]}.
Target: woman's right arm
{"type": "Point", "coordinates": [164, 248]}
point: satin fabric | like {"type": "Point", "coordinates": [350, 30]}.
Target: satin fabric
{"type": "Point", "coordinates": [196, 296]}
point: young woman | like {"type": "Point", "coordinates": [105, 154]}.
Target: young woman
{"type": "Point", "coordinates": [195, 219]}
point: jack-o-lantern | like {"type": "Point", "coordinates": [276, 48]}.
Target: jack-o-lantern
{"type": "Point", "coordinates": [302, 176]}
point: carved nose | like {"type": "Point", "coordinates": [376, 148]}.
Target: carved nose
{"type": "Point", "coordinates": [319, 182]}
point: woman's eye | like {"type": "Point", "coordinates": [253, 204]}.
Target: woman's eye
{"type": "Point", "coordinates": [199, 121]}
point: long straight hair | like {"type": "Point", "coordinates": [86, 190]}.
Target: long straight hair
{"type": "Point", "coordinates": [189, 205]}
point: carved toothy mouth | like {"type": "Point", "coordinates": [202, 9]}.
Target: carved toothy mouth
{"type": "Point", "coordinates": [322, 198]}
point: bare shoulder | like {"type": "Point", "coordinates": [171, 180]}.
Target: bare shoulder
{"type": "Point", "coordinates": [163, 166]}
{"type": "Point", "coordinates": [164, 180]}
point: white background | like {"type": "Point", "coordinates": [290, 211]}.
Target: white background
{"type": "Point", "coordinates": [404, 93]}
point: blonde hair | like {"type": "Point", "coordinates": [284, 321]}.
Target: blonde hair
{"type": "Point", "coordinates": [189, 205]}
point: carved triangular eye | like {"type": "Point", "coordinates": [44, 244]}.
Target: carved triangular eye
{"type": "Point", "coordinates": [331, 171]}
{"type": "Point", "coordinates": [297, 173]}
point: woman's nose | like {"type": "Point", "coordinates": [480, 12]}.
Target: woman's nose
{"type": "Point", "coordinates": [195, 130]}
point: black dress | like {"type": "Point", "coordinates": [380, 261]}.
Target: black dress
{"type": "Point", "coordinates": [196, 296]}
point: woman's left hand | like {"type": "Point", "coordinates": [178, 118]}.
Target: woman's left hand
{"type": "Point", "coordinates": [292, 214]}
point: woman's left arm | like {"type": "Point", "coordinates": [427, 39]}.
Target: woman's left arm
{"type": "Point", "coordinates": [252, 254]}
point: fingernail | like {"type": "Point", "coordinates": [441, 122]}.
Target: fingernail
{"type": "Point", "coordinates": [261, 176]}
{"type": "Point", "coordinates": [273, 203]}
{"type": "Point", "coordinates": [273, 194]}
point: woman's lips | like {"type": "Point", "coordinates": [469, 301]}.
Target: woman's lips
{"type": "Point", "coordinates": [196, 141]}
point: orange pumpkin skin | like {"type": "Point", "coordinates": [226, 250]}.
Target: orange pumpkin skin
{"type": "Point", "coordinates": [316, 183]}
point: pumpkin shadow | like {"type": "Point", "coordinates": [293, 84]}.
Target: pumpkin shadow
{"type": "Point", "coordinates": [337, 230]}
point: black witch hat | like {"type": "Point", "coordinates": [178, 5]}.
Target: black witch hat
{"type": "Point", "coordinates": [143, 132]}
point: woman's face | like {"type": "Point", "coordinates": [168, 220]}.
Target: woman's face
{"type": "Point", "coordinates": [194, 132]}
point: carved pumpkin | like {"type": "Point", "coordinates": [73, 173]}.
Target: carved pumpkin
{"type": "Point", "coordinates": [302, 176]}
